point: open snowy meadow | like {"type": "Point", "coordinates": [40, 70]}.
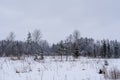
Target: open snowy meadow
{"type": "Point", "coordinates": [53, 68]}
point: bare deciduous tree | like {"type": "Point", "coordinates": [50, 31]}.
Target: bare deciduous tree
{"type": "Point", "coordinates": [36, 36]}
{"type": "Point", "coordinates": [11, 36]}
{"type": "Point", "coordinates": [76, 36]}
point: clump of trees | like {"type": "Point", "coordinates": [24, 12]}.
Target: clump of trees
{"type": "Point", "coordinates": [33, 45]}
{"type": "Point", "coordinates": [78, 46]}
{"type": "Point", "coordinates": [74, 45]}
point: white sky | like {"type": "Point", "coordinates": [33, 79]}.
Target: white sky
{"type": "Point", "coordinates": [58, 18]}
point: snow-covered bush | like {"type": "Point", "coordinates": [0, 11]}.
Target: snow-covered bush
{"type": "Point", "coordinates": [23, 70]}
{"type": "Point", "coordinates": [103, 71]}
{"type": "Point", "coordinates": [106, 63]}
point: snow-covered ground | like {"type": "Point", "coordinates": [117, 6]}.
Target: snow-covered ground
{"type": "Point", "coordinates": [54, 69]}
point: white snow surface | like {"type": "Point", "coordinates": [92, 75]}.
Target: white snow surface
{"type": "Point", "coordinates": [54, 69]}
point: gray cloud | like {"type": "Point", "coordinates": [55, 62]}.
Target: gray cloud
{"type": "Point", "coordinates": [58, 18]}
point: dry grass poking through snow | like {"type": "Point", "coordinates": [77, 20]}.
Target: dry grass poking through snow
{"type": "Point", "coordinates": [56, 69]}
{"type": "Point", "coordinates": [113, 74]}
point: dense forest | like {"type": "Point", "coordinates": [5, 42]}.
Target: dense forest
{"type": "Point", "coordinates": [74, 45]}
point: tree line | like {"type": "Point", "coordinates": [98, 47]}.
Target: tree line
{"type": "Point", "coordinates": [74, 45]}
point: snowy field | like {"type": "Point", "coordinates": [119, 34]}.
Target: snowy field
{"type": "Point", "coordinates": [54, 69]}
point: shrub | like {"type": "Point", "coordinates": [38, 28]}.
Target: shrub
{"type": "Point", "coordinates": [113, 74]}
{"type": "Point", "coordinates": [106, 63]}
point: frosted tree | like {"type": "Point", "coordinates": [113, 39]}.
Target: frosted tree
{"type": "Point", "coordinates": [10, 47]}
{"type": "Point", "coordinates": [116, 48]}
{"type": "Point", "coordinates": [29, 38]}
{"type": "Point", "coordinates": [29, 43]}
{"type": "Point", "coordinates": [68, 46]}
{"type": "Point", "coordinates": [76, 37]}
{"type": "Point", "coordinates": [36, 37]}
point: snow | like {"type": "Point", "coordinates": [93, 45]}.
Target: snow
{"type": "Point", "coordinates": [54, 69]}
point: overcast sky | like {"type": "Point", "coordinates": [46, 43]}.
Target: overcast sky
{"type": "Point", "coordinates": [58, 18]}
